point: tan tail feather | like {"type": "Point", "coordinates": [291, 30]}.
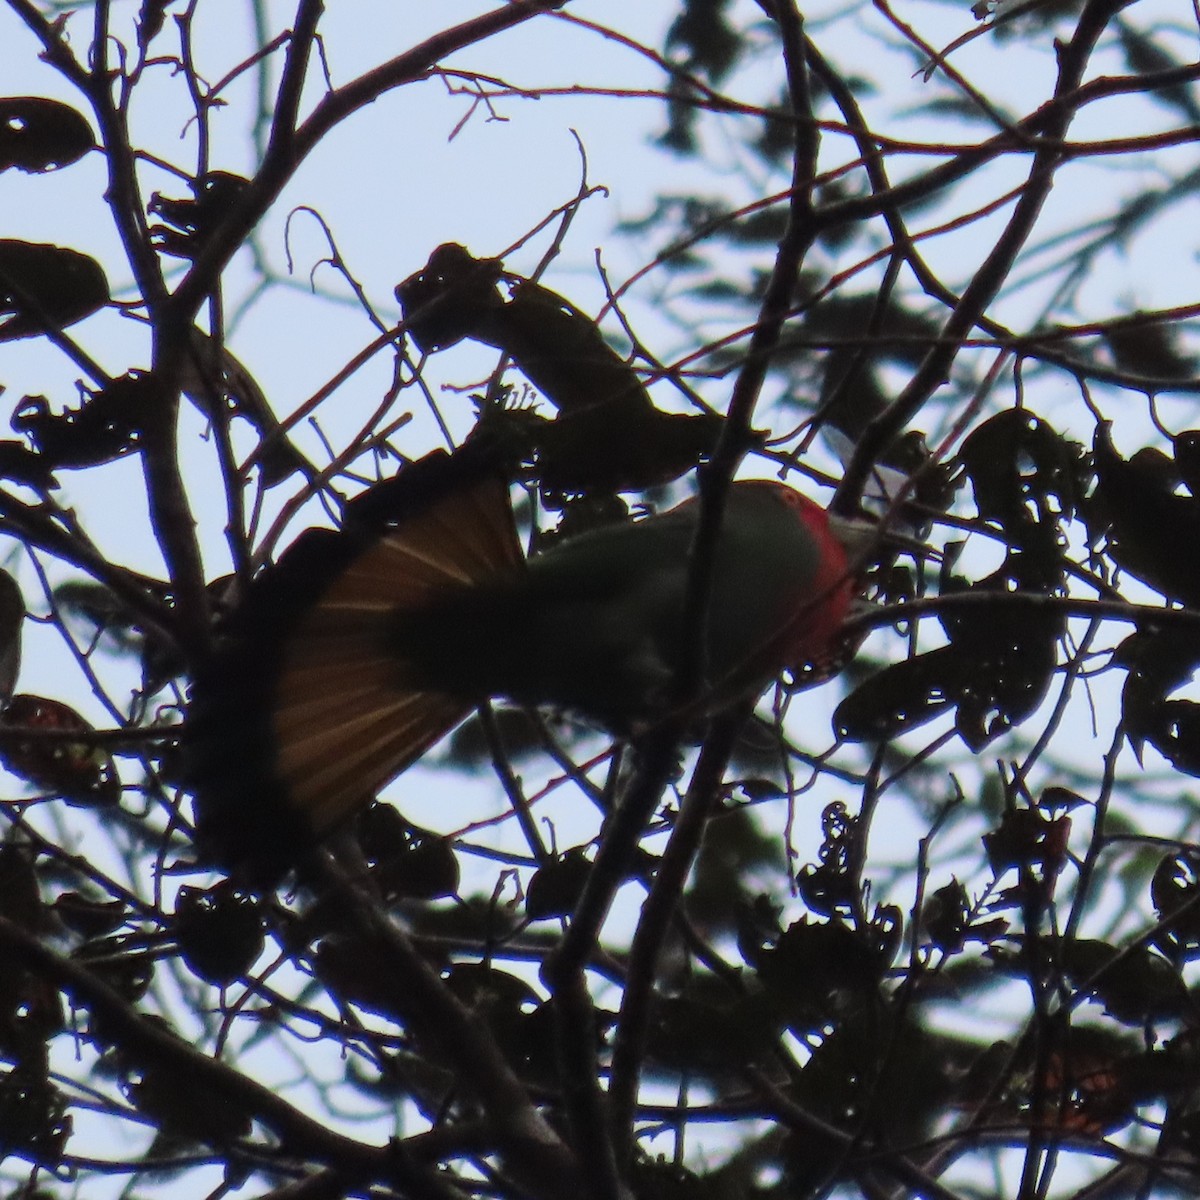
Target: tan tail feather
{"type": "Point", "coordinates": [462, 540]}
{"type": "Point", "coordinates": [345, 767]}
{"type": "Point", "coordinates": [348, 727]}
{"type": "Point", "coordinates": [345, 720]}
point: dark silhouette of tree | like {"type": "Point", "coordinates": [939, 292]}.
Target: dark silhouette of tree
{"type": "Point", "coordinates": [922, 923]}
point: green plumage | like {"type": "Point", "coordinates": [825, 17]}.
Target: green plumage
{"type": "Point", "coordinates": [596, 623]}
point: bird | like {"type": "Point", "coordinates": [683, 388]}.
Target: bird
{"type": "Point", "coordinates": [363, 646]}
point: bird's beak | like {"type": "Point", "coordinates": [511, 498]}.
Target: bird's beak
{"type": "Point", "coordinates": [862, 538]}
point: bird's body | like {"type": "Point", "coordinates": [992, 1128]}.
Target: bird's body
{"type": "Point", "coordinates": [596, 624]}
{"type": "Point", "coordinates": [402, 634]}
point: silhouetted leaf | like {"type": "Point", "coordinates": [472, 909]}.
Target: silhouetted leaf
{"type": "Point", "coordinates": [1014, 655]}
{"type": "Point", "coordinates": [213, 374]}
{"type": "Point", "coordinates": [1175, 893]}
{"type": "Point", "coordinates": [816, 969]}
{"type": "Point", "coordinates": [408, 862]}
{"type": "Point", "coordinates": [45, 288]}
{"type": "Point", "coordinates": [562, 352]}
{"type": "Point", "coordinates": [106, 619]}
{"type": "Point", "coordinates": [189, 221]}
{"type": "Point", "coordinates": [658, 1179]}
{"type": "Point", "coordinates": [994, 673]}
{"type": "Point", "coordinates": [945, 917]}
{"type": "Point", "coordinates": [1174, 731]}
{"type": "Point", "coordinates": [12, 621]}
{"type": "Point", "coordinates": [1057, 799]}
{"type": "Point", "coordinates": [448, 299]}
{"type": "Point", "coordinates": [1152, 532]}
{"type": "Point", "coordinates": [25, 466]}
{"type": "Point", "coordinates": [354, 971]}
{"type": "Point", "coordinates": [219, 931]}
{"type": "Point", "coordinates": [31, 1012]}
{"type": "Point", "coordinates": [1002, 656]}
{"type": "Point", "coordinates": [105, 427]}
{"type": "Point", "coordinates": [1158, 660]}
{"type": "Point", "coordinates": [878, 1069]}
{"type": "Point", "coordinates": [555, 887]}
{"type": "Point", "coordinates": [196, 1112]}
{"type": "Point", "coordinates": [505, 1003]}
{"type": "Point", "coordinates": [608, 435]}
{"type": "Point", "coordinates": [33, 1114]}
{"type": "Point", "coordinates": [121, 963]}
{"type": "Point", "coordinates": [903, 696]}
{"type": "Point", "coordinates": [88, 916]}
{"type": "Point", "coordinates": [1034, 844]}
{"type": "Point", "coordinates": [20, 897]}
{"type": "Point", "coordinates": [1148, 348]}
{"type": "Point", "coordinates": [483, 987]}
{"type": "Point", "coordinates": [1145, 55]}
{"type": "Point", "coordinates": [1135, 985]}
{"type": "Point", "coordinates": [1187, 458]}
{"type": "Point", "coordinates": [832, 887]}
{"type": "Point", "coordinates": [620, 448]}
{"type": "Point", "coordinates": [1090, 1080]}
{"type": "Point", "coordinates": [150, 20]}
{"type": "Point", "coordinates": [37, 134]}
{"type": "Point", "coordinates": [692, 1034]}
{"type": "Point", "coordinates": [1015, 457]}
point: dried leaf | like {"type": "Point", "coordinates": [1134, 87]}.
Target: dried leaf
{"type": "Point", "coordinates": [79, 771]}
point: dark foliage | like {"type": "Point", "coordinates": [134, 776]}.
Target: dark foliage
{"type": "Point", "coordinates": [925, 922]}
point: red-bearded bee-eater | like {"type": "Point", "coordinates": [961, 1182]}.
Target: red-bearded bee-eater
{"type": "Point", "coordinates": [362, 647]}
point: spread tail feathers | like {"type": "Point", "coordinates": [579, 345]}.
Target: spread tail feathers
{"type": "Point", "coordinates": [304, 714]}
